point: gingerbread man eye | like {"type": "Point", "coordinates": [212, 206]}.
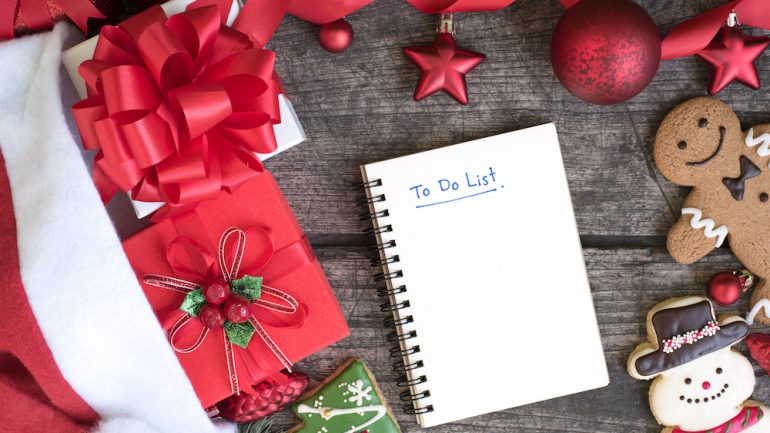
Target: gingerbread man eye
{"type": "Point", "coordinates": [763, 197]}
{"type": "Point", "coordinates": [703, 123]}
{"type": "Point", "coordinates": [682, 145]}
{"type": "Point", "coordinates": [688, 381]}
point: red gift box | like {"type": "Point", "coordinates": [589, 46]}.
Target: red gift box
{"type": "Point", "coordinates": [257, 203]}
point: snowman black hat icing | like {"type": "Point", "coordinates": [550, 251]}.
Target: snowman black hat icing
{"type": "Point", "coordinates": [685, 333]}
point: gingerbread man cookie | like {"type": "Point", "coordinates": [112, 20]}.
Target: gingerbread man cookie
{"type": "Point", "coordinates": [700, 383]}
{"type": "Point", "coordinates": [700, 144]}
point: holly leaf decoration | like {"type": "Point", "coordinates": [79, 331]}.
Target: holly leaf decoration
{"type": "Point", "coordinates": [193, 302]}
{"type": "Point", "coordinates": [239, 333]}
{"type": "Point", "coordinates": [249, 287]}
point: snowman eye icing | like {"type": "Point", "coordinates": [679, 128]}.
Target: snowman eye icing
{"type": "Point", "coordinates": [719, 370]}
{"type": "Point", "coordinates": [688, 381]}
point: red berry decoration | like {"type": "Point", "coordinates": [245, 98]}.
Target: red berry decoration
{"type": "Point", "coordinates": [217, 293]}
{"type": "Point", "coordinates": [336, 36]}
{"type": "Point", "coordinates": [269, 397]}
{"type": "Point", "coordinates": [605, 51]}
{"type": "Point", "coordinates": [211, 316]}
{"type": "Point", "coordinates": [237, 309]}
{"type": "Point", "coordinates": [724, 288]}
{"type": "Point", "coordinates": [759, 349]}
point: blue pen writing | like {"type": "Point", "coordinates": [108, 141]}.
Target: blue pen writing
{"type": "Point", "coordinates": [474, 185]}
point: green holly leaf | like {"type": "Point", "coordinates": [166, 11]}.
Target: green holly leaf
{"type": "Point", "coordinates": [239, 333]}
{"type": "Point", "coordinates": [193, 302]}
{"type": "Point", "coordinates": [249, 287]}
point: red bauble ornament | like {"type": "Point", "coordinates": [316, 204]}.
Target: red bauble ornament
{"type": "Point", "coordinates": [269, 397]}
{"type": "Point", "coordinates": [336, 36]}
{"type": "Point", "coordinates": [211, 316]}
{"type": "Point", "coordinates": [443, 67]}
{"type": "Point", "coordinates": [217, 293]}
{"type": "Point", "coordinates": [237, 309]}
{"type": "Point", "coordinates": [605, 51]}
{"type": "Point", "coordinates": [731, 55]}
{"type": "Point", "coordinates": [759, 349]}
{"type": "Point", "coordinates": [724, 288]}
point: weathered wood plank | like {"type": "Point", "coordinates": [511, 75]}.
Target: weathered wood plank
{"type": "Point", "coordinates": [357, 108]}
{"type": "Point", "coordinates": [625, 284]}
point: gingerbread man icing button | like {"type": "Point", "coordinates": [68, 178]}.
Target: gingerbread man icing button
{"type": "Point", "coordinates": [700, 144]}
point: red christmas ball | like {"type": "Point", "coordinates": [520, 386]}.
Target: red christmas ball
{"type": "Point", "coordinates": [217, 293]}
{"type": "Point", "coordinates": [237, 309]}
{"type": "Point", "coordinates": [336, 36]}
{"type": "Point", "coordinates": [724, 288]}
{"type": "Point", "coordinates": [211, 316]}
{"type": "Point", "coordinates": [605, 51]}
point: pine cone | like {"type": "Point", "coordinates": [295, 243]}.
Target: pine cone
{"type": "Point", "coordinates": [759, 349]}
{"type": "Point", "coordinates": [269, 397]}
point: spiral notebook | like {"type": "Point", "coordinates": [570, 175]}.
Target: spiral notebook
{"type": "Point", "coordinates": [483, 271]}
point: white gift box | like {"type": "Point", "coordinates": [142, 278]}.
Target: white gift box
{"type": "Point", "coordinates": [288, 133]}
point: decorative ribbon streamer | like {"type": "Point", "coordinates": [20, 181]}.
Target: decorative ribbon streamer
{"type": "Point", "coordinates": [696, 33]}
{"type": "Point", "coordinates": [195, 264]}
{"type": "Point", "coordinates": [36, 15]}
{"type": "Point", "coordinates": [322, 12]}
{"type": "Point", "coordinates": [447, 6]}
{"type": "Point", "coordinates": [178, 106]}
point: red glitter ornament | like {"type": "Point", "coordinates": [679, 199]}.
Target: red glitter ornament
{"type": "Point", "coordinates": [605, 51]}
{"type": "Point", "coordinates": [724, 288]}
{"type": "Point", "coordinates": [268, 398]}
{"type": "Point", "coordinates": [336, 36]}
{"type": "Point", "coordinates": [732, 55]}
{"type": "Point", "coordinates": [443, 66]}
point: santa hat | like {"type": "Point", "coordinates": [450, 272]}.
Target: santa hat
{"type": "Point", "coordinates": [74, 318]}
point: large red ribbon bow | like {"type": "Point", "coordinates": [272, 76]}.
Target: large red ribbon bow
{"type": "Point", "coordinates": [179, 105]}
{"type": "Point", "coordinates": [37, 14]}
{"type": "Point", "coordinates": [195, 266]}
{"type": "Point", "coordinates": [696, 33]}
{"type": "Point", "coordinates": [446, 6]}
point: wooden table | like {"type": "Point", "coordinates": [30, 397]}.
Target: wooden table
{"type": "Point", "coordinates": [357, 107]}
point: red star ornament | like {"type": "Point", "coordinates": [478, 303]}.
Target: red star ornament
{"type": "Point", "coordinates": [443, 67]}
{"type": "Point", "coordinates": [731, 55]}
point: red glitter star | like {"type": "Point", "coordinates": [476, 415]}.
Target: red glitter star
{"type": "Point", "coordinates": [443, 67]}
{"type": "Point", "coordinates": [732, 55]}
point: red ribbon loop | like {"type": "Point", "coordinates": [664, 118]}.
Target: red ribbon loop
{"type": "Point", "coordinates": [694, 34]}
{"type": "Point", "coordinates": [179, 106]}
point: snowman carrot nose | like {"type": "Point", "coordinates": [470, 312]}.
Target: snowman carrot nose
{"type": "Point", "coordinates": [706, 385]}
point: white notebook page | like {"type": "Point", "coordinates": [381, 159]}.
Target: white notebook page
{"type": "Point", "coordinates": [494, 272]}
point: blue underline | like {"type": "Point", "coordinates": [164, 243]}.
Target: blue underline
{"type": "Point", "coordinates": [455, 199]}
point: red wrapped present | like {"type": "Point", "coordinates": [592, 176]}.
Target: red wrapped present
{"type": "Point", "coordinates": [241, 248]}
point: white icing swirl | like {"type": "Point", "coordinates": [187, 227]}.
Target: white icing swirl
{"type": "Point", "coordinates": [764, 139]}
{"type": "Point", "coordinates": [707, 224]}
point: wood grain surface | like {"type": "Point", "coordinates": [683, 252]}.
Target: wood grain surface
{"type": "Point", "coordinates": [357, 107]}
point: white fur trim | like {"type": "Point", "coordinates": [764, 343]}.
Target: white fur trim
{"type": "Point", "coordinates": [88, 304]}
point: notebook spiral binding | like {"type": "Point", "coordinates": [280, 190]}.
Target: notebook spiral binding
{"type": "Point", "coordinates": [400, 340]}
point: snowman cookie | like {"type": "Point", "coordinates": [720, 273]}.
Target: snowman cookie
{"type": "Point", "coordinates": [348, 401]}
{"type": "Point", "coordinates": [700, 384]}
{"type": "Point", "coordinates": [700, 144]}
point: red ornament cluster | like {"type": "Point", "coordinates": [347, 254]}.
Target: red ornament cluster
{"type": "Point", "coordinates": [222, 305]}
{"type": "Point", "coordinates": [268, 398]}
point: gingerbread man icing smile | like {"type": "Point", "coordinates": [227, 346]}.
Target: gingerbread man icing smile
{"type": "Point", "coordinates": [701, 144]}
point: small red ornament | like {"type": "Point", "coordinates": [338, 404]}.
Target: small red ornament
{"type": "Point", "coordinates": [724, 288]}
{"type": "Point", "coordinates": [217, 293]}
{"type": "Point", "coordinates": [605, 51]}
{"type": "Point", "coordinates": [759, 349]}
{"type": "Point", "coordinates": [336, 36]}
{"type": "Point", "coordinates": [237, 309]}
{"type": "Point", "coordinates": [211, 316]}
{"type": "Point", "coordinates": [732, 55]}
{"type": "Point", "coordinates": [269, 397]}
{"type": "Point", "coordinates": [442, 66]}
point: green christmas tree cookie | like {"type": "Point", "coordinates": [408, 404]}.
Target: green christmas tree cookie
{"type": "Point", "coordinates": [348, 401]}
